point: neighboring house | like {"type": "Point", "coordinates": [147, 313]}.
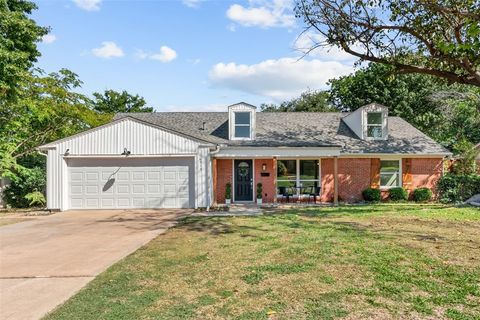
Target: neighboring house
{"type": "Point", "coordinates": [477, 158]}
{"type": "Point", "coordinates": [185, 159]}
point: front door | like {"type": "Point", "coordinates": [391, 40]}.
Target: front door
{"type": "Point", "coordinates": [243, 180]}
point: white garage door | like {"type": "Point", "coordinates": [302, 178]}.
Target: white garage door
{"type": "Point", "coordinates": [130, 183]}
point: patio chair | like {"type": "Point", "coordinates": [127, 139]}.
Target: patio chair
{"type": "Point", "coordinates": [315, 193]}
{"type": "Point", "coordinates": [282, 191]}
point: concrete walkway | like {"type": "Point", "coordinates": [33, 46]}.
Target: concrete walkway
{"type": "Point", "coordinates": [45, 261]}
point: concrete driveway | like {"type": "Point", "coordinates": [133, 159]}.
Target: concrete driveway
{"type": "Point", "coordinates": [45, 261]}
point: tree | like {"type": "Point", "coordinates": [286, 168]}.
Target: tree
{"type": "Point", "coordinates": [18, 49]}
{"type": "Point", "coordinates": [439, 38]}
{"type": "Point", "coordinates": [46, 109]}
{"type": "Point", "coordinates": [112, 102]}
{"type": "Point", "coordinates": [309, 101]}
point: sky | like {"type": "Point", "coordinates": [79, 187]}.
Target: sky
{"type": "Point", "coordinates": [187, 55]}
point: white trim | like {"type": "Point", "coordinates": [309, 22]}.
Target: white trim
{"type": "Point", "coordinates": [400, 173]}
{"type": "Point", "coordinates": [135, 156]}
{"type": "Point", "coordinates": [393, 155]}
{"type": "Point", "coordinates": [233, 180]}
{"type": "Point", "coordinates": [300, 152]}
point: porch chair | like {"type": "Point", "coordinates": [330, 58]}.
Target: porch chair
{"type": "Point", "coordinates": [282, 191]}
{"type": "Point", "coordinates": [315, 193]}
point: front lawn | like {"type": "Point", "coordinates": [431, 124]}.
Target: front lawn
{"type": "Point", "coordinates": [381, 262]}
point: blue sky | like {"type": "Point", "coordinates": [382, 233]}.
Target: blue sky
{"type": "Point", "coordinates": [189, 55]}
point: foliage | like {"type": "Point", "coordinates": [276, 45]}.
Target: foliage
{"type": "Point", "coordinates": [228, 191]}
{"type": "Point", "coordinates": [309, 101]}
{"type": "Point", "coordinates": [46, 109]}
{"type": "Point", "coordinates": [398, 194]}
{"type": "Point", "coordinates": [453, 188]}
{"type": "Point", "coordinates": [36, 198]}
{"type": "Point", "coordinates": [465, 164]}
{"type": "Point", "coordinates": [372, 195]}
{"type": "Point", "coordinates": [18, 50]}
{"type": "Point", "coordinates": [24, 183]}
{"type": "Point", "coordinates": [422, 195]}
{"type": "Point", "coordinates": [259, 190]}
{"type": "Point", "coordinates": [111, 102]}
{"type": "Point", "coordinates": [439, 38]}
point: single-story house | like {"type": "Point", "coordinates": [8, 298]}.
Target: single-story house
{"type": "Point", "coordinates": [186, 159]}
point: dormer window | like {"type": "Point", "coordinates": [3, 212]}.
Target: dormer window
{"type": "Point", "coordinates": [374, 125]}
{"type": "Point", "coordinates": [242, 124]}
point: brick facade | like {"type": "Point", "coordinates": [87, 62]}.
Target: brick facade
{"type": "Point", "coordinates": [224, 174]}
{"type": "Point", "coordinates": [268, 183]}
{"type": "Point", "coordinates": [354, 176]}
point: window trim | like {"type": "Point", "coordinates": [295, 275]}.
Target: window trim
{"type": "Point", "coordinates": [235, 125]}
{"type": "Point", "coordinates": [298, 180]}
{"type": "Point", "coordinates": [400, 173]}
{"type": "Point", "coordinates": [375, 125]}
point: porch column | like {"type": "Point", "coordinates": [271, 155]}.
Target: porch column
{"type": "Point", "coordinates": [335, 181]}
{"type": "Point", "coordinates": [275, 179]}
{"type": "Point", "coordinates": [214, 180]}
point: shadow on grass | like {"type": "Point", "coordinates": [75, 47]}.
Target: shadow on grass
{"type": "Point", "coordinates": [217, 226]}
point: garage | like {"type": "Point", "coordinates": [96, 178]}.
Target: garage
{"type": "Point", "coordinates": [130, 183]}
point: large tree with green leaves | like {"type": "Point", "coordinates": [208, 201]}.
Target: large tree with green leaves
{"type": "Point", "coordinates": [46, 109]}
{"type": "Point", "coordinates": [435, 37]}
{"type": "Point", "coordinates": [18, 45]}
{"type": "Point", "coordinates": [113, 102]}
{"type": "Point", "coordinates": [309, 101]}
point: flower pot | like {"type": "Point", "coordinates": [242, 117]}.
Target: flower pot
{"type": "Point", "coordinates": [228, 201]}
{"type": "Point", "coordinates": [259, 201]}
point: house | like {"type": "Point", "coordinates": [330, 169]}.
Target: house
{"type": "Point", "coordinates": [185, 159]}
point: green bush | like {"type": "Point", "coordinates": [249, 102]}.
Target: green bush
{"type": "Point", "coordinates": [228, 191]}
{"type": "Point", "coordinates": [259, 190]}
{"type": "Point", "coordinates": [422, 195]}
{"type": "Point", "coordinates": [397, 194]}
{"type": "Point", "coordinates": [25, 183]}
{"type": "Point", "coordinates": [372, 195]}
{"type": "Point", "coordinates": [453, 188]}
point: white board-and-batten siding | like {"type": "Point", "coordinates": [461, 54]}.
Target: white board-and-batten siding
{"type": "Point", "coordinates": [110, 140]}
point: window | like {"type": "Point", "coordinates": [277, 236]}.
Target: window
{"type": "Point", "coordinates": [389, 173]}
{"type": "Point", "coordinates": [302, 173]}
{"type": "Point", "coordinates": [374, 125]}
{"type": "Point", "coordinates": [286, 173]}
{"type": "Point", "coordinates": [242, 124]}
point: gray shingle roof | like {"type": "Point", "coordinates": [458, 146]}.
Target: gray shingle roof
{"type": "Point", "coordinates": [294, 129]}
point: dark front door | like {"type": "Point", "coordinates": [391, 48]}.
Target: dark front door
{"type": "Point", "coordinates": [243, 180]}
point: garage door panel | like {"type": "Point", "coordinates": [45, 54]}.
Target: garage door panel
{"type": "Point", "coordinates": [108, 184]}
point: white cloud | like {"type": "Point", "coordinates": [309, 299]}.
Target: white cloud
{"type": "Point", "coordinates": [263, 13]}
{"type": "Point", "coordinates": [324, 52]}
{"type": "Point", "coordinates": [165, 55]}
{"type": "Point", "coordinates": [108, 50]}
{"type": "Point", "coordinates": [192, 3]}
{"type": "Point", "coordinates": [280, 79]}
{"type": "Point", "coordinates": [49, 38]}
{"type": "Point", "coordinates": [88, 5]}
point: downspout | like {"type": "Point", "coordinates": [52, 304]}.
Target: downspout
{"type": "Point", "coordinates": [210, 154]}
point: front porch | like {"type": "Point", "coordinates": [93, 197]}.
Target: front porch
{"type": "Point", "coordinates": [284, 180]}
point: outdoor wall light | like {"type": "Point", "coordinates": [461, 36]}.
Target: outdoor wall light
{"type": "Point", "coordinates": [67, 152]}
{"type": "Point", "coordinates": [264, 167]}
{"type": "Point", "coordinates": [125, 152]}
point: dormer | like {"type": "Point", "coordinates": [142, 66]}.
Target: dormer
{"type": "Point", "coordinates": [369, 122]}
{"type": "Point", "coordinates": [241, 121]}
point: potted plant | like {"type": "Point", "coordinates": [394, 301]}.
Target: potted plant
{"type": "Point", "coordinates": [228, 194]}
{"type": "Point", "coordinates": [259, 193]}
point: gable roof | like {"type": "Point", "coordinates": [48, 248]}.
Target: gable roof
{"type": "Point", "coordinates": [294, 129]}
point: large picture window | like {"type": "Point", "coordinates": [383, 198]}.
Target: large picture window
{"type": "Point", "coordinates": [374, 125]}
{"type": "Point", "coordinates": [389, 173]}
{"type": "Point", "coordinates": [242, 124]}
{"type": "Point", "coordinates": [299, 173]}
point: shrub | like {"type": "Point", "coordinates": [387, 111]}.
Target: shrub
{"type": "Point", "coordinates": [422, 195]}
{"type": "Point", "coordinates": [26, 182]}
{"type": "Point", "coordinates": [372, 195]}
{"type": "Point", "coordinates": [259, 190]}
{"type": "Point", "coordinates": [453, 188]}
{"type": "Point", "coordinates": [36, 198]}
{"type": "Point", "coordinates": [398, 194]}
{"type": "Point", "coordinates": [228, 191]}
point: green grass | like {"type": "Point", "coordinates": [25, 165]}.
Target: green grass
{"type": "Point", "coordinates": [383, 261]}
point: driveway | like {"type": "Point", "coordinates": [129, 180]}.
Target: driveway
{"type": "Point", "coordinates": [45, 261]}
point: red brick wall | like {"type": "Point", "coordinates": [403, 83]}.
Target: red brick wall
{"type": "Point", "coordinates": [224, 175]}
{"type": "Point", "coordinates": [425, 172]}
{"type": "Point", "coordinates": [268, 183]}
{"type": "Point", "coordinates": [327, 180]}
{"type": "Point", "coordinates": [353, 178]}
